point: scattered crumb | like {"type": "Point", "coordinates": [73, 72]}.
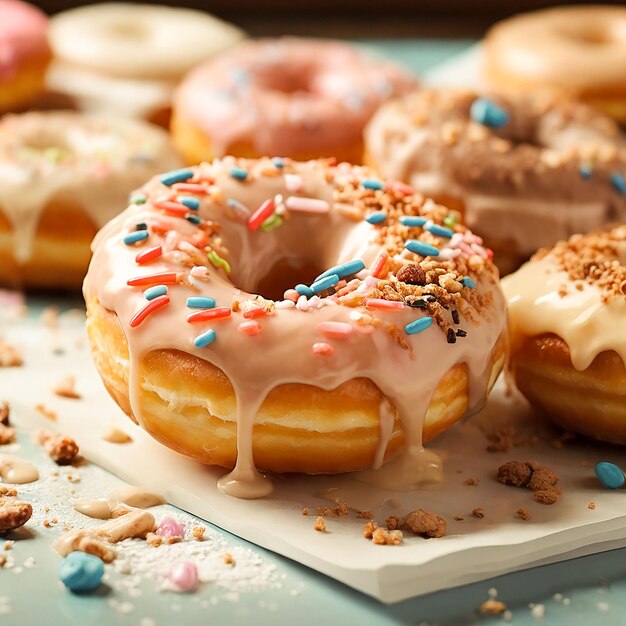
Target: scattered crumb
{"type": "Point", "coordinates": [7, 435]}
{"type": "Point", "coordinates": [425, 524]}
{"type": "Point", "coordinates": [538, 611]}
{"type": "Point", "coordinates": [341, 510]}
{"type": "Point", "coordinates": [591, 505]}
{"type": "Point", "coordinates": [3, 560]}
{"type": "Point", "coordinates": [364, 515]}
{"type": "Point", "coordinates": [369, 528]}
{"type": "Point", "coordinates": [515, 473]}
{"type": "Point", "coordinates": [459, 518]}
{"type": "Point", "coordinates": [472, 482]}
{"type": "Point", "coordinates": [523, 514]}
{"type": "Point", "coordinates": [228, 559]}
{"type": "Point", "coordinates": [492, 607]}
{"type": "Point", "coordinates": [320, 525]}
{"type": "Point", "coordinates": [393, 522]}
{"type": "Point", "coordinates": [9, 356]}
{"type": "Point", "coordinates": [305, 511]}
{"type": "Point", "coordinates": [198, 533]}
{"type": "Point", "coordinates": [384, 537]}
{"type": "Point", "coordinates": [5, 414]}
{"type": "Point", "coordinates": [47, 413]}
{"type": "Point", "coordinates": [62, 449]}
{"type": "Point", "coordinates": [539, 479]}
{"type": "Point", "coordinates": [478, 512]}
{"type": "Point", "coordinates": [66, 388]}
{"type": "Point", "coordinates": [116, 435]}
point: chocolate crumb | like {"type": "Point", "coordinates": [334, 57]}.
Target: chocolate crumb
{"type": "Point", "coordinates": [451, 336]}
{"type": "Point", "coordinates": [455, 316]}
{"type": "Point", "coordinates": [479, 513]}
{"type": "Point", "coordinates": [411, 274]}
{"type": "Point", "coordinates": [515, 473]}
{"type": "Point", "coordinates": [425, 524]}
{"type": "Point", "coordinates": [523, 514]}
{"type": "Point", "coordinates": [393, 522]}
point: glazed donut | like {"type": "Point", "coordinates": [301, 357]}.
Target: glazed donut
{"type": "Point", "coordinates": [127, 58]}
{"type": "Point", "coordinates": [526, 171]}
{"type": "Point", "coordinates": [24, 54]}
{"type": "Point", "coordinates": [396, 329]}
{"type": "Point", "coordinates": [300, 98]}
{"type": "Point", "coordinates": [62, 176]}
{"type": "Point", "coordinates": [567, 308]}
{"type": "Point", "coordinates": [578, 51]}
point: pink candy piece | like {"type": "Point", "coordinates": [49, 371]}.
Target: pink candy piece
{"type": "Point", "coordinates": [250, 327]}
{"type": "Point", "coordinates": [379, 303]}
{"type": "Point", "coordinates": [335, 330]}
{"type": "Point", "coordinates": [323, 349]}
{"type": "Point", "coordinates": [170, 527]}
{"type": "Point", "coordinates": [184, 576]}
{"type": "Point", "coordinates": [291, 294]}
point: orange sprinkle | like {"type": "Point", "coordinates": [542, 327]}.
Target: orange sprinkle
{"type": "Point", "coordinates": [151, 307]}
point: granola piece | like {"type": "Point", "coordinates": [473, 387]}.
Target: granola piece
{"type": "Point", "coordinates": [66, 388]}
{"type": "Point", "coordinates": [384, 537]}
{"type": "Point", "coordinates": [369, 528]}
{"type": "Point", "coordinates": [515, 473]}
{"type": "Point", "coordinates": [154, 540]}
{"type": "Point", "coordinates": [197, 533]}
{"type": "Point", "coordinates": [393, 522]}
{"type": "Point", "coordinates": [523, 513]}
{"type": "Point", "coordinates": [320, 525]}
{"type": "Point", "coordinates": [14, 513]}
{"type": "Point", "coordinates": [9, 356]}
{"type": "Point", "coordinates": [411, 274]}
{"type": "Point", "coordinates": [425, 524]}
{"type": "Point", "coordinates": [62, 449]}
{"type": "Point", "coordinates": [493, 607]}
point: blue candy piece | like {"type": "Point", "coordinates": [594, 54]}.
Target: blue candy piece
{"type": "Point", "coordinates": [619, 183]}
{"type": "Point", "coordinates": [176, 176]}
{"type": "Point", "coordinates": [239, 173]}
{"type": "Point", "coordinates": [193, 204]}
{"type": "Point", "coordinates": [418, 325]}
{"type": "Point", "coordinates": [205, 339]}
{"type": "Point", "coordinates": [372, 183]}
{"type": "Point", "coordinates": [305, 290]}
{"type": "Point", "coordinates": [377, 217]}
{"type": "Point", "coordinates": [343, 270]}
{"type": "Point", "coordinates": [585, 171]}
{"type": "Point", "coordinates": [412, 220]}
{"type": "Point", "coordinates": [324, 283]}
{"type": "Point", "coordinates": [135, 236]}
{"type": "Point", "coordinates": [610, 475]}
{"type": "Point", "coordinates": [154, 292]}
{"type": "Point", "coordinates": [193, 218]}
{"type": "Point", "coordinates": [468, 282]}
{"type": "Point", "coordinates": [278, 163]}
{"type": "Point", "coordinates": [488, 113]}
{"type": "Point", "coordinates": [439, 231]}
{"type": "Point", "coordinates": [419, 247]}
{"type": "Point", "coordinates": [81, 572]}
{"type": "Point", "coordinates": [200, 302]}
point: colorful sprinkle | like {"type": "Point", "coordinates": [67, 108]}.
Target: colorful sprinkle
{"type": "Point", "coordinates": [204, 339]}
{"type": "Point", "coordinates": [200, 302]}
{"type": "Point", "coordinates": [151, 307]}
{"type": "Point", "coordinates": [239, 208]}
{"type": "Point", "coordinates": [323, 349]}
{"type": "Point", "coordinates": [304, 290]}
{"type": "Point", "coordinates": [381, 304]}
{"type": "Point", "coordinates": [149, 255]}
{"type": "Point", "coordinates": [135, 237]}
{"type": "Point", "coordinates": [379, 264]}
{"type": "Point", "coordinates": [585, 171]}
{"type": "Point", "coordinates": [400, 187]}
{"type": "Point", "coordinates": [138, 199]}
{"type": "Point", "coordinates": [618, 182]}
{"type": "Point", "coordinates": [166, 278]}
{"type": "Point", "coordinates": [218, 313]}
{"type": "Point", "coordinates": [193, 204]}
{"type": "Point", "coordinates": [307, 205]}
{"type": "Point", "coordinates": [174, 208]}
{"type": "Point", "coordinates": [218, 261]}
{"type": "Point", "coordinates": [468, 282]}
{"type": "Point", "coordinates": [324, 283]}
{"type": "Point", "coordinates": [81, 572]}
{"type": "Point", "coordinates": [278, 163]}
{"type": "Point", "coordinates": [293, 182]}
{"type": "Point", "coordinates": [238, 173]}
{"type": "Point", "coordinates": [154, 292]}
{"type": "Point", "coordinates": [250, 327]}
{"type": "Point", "coordinates": [184, 576]}
{"type": "Point", "coordinates": [488, 113]}
{"type": "Point", "coordinates": [610, 475]}
{"type": "Point", "coordinates": [450, 220]}
{"type": "Point", "coordinates": [266, 209]}
{"type": "Point", "coordinates": [193, 218]}
{"type": "Point", "coordinates": [256, 312]}
{"type": "Point", "coordinates": [190, 188]}
{"type": "Point", "coordinates": [419, 247]}
{"type": "Point", "coordinates": [412, 220]}
{"type": "Point", "coordinates": [372, 183]}
{"type": "Point", "coordinates": [271, 223]}
{"type": "Point", "coordinates": [377, 217]}
{"type": "Point", "coordinates": [176, 176]}
{"type": "Point", "coordinates": [343, 270]}
{"type": "Point", "coordinates": [170, 527]}
{"type": "Point", "coordinates": [335, 330]}
{"type": "Point", "coordinates": [439, 231]}
{"type": "Point", "coordinates": [418, 325]}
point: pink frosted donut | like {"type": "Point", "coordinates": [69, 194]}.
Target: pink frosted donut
{"type": "Point", "coordinates": [294, 97]}
{"type": "Point", "coordinates": [24, 53]}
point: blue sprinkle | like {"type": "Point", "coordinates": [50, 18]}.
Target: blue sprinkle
{"type": "Point", "coordinates": [324, 283]}
{"type": "Point", "coordinates": [200, 302]}
{"type": "Point", "coordinates": [585, 171]}
{"type": "Point", "coordinates": [376, 218]}
{"type": "Point", "coordinates": [411, 220]}
{"type": "Point", "coordinates": [81, 572]}
{"type": "Point", "coordinates": [190, 202]}
{"type": "Point", "coordinates": [304, 290]}
{"type": "Point", "coordinates": [154, 292]}
{"type": "Point", "coordinates": [610, 475]}
{"type": "Point", "coordinates": [488, 113]}
{"type": "Point", "coordinates": [239, 173]}
{"type": "Point", "coordinates": [205, 339]}
{"type": "Point", "coordinates": [619, 183]}
{"type": "Point", "coordinates": [193, 218]}
{"type": "Point", "coordinates": [138, 235]}
{"type": "Point", "coordinates": [468, 282]}
{"type": "Point", "coordinates": [343, 270]}
{"type": "Point", "coordinates": [176, 176]}
{"type": "Point", "coordinates": [141, 226]}
{"type": "Point", "coordinates": [419, 247]}
{"type": "Point", "coordinates": [372, 183]}
{"type": "Point", "coordinates": [138, 199]}
{"type": "Point", "coordinates": [278, 163]}
{"type": "Point", "coordinates": [439, 231]}
{"type": "Point", "coordinates": [418, 325]}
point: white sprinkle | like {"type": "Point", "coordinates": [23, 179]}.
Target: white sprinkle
{"type": "Point", "coordinates": [29, 562]}
{"type": "Point", "coordinates": [538, 611]}
{"type": "Point", "coordinates": [285, 304]}
{"type": "Point", "coordinates": [603, 607]}
{"type": "Point", "coordinates": [566, 601]}
{"type": "Point", "coordinates": [302, 304]}
{"type": "Point", "coordinates": [493, 592]}
{"type": "Point", "coordinates": [507, 616]}
{"type": "Point", "coordinates": [307, 205]}
{"type": "Point", "coordinates": [293, 182]}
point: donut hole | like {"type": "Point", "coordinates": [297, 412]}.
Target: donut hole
{"type": "Point", "coordinates": [285, 274]}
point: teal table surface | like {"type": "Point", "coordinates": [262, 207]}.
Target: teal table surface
{"type": "Point", "coordinates": [585, 591]}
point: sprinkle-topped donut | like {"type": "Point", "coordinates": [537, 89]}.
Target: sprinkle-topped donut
{"type": "Point", "coordinates": [301, 336]}
{"type": "Point", "coordinates": [24, 53]}
{"type": "Point", "coordinates": [62, 176]}
{"type": "Point", "coordinates": [296, 97]}
{"type": "Point", "coordinates": [526, 171]}
{"type": "Point", "coordinates": [568, 351]}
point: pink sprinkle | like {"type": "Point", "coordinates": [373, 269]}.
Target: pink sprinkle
{"type": "Point", "coordinates": [379, 303]}
{"type": "Point", "coordinates": [184, 576]}
{"type": "Point", "coordinates": [265, 211]}
{"type": "Point", "coordinates": [379, 264]}
{"type": "Point", "coordinates": [200, 272]}
{"type": "Point", "coordinates": [323, 349]}
{"type": "Point", "coordinates": [335, 330]}
{"type": "Point", "coordinates": [307, 205]}
{"type": "Point", "coordinates": [293, 182]}
{"type": "Point", "coordinates": [291, 294]}
{"type": "Point", "coordinates": [400, 187]}
{"type": "Point", "coordinates": [170, 527]}
{"type": "Point", "coordinates": [250, 327]}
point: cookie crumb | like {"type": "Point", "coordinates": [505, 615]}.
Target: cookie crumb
{"type": "Point", "coordinates": [591, 505]}
{"type": "Point", "coordinates": [369, 528]}
{"type": "Point", "coordinates": [479, 513]}
{"type": "Point", "coordinates": [9, 356]}
{"type": "Point", "coordinates": [228, 559]}
{"type": "Point", "coordinates": [364, 515]}
{"type": "Point", "coordinates": [47, 413]}
{"type": "Point", "coordinates": [66, 388]}
{"type": "Point", "coordinates": [198, 533]}
{"type": "Point", "coordinates": [62, 449]}
{"type": "Point", "coordinates": [515, 473]}
{"type": "Point", "coordinates": [393, 522]}
{"type": "Point", "coordinates": [341, 510]}
{"type": "Point", "coordinates": [425, 524]}
{"type": "Point", "coordinates": [384, 537]}
{"type": "Point", "coordinates": [320, 525]}
{"type": "Point", "coordinates": [305, 511]}
{"type": "Point", "coordinates": [493, 607]}
{"type": "Point", "coordinates": [7, 435]}
{"type": "Point", "coordinates": [14, 513]}
{"type": "Point", "coordinates": [523, 514]}
{"type": "Point", "coordinates": [472, 482]}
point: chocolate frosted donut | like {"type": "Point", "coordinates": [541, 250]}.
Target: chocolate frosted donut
{"type": "Point", "coordinates": [526, 171]}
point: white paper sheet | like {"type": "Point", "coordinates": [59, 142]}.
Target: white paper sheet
{"type": "Point", "coordinates": [474, 549]}
{"type": "Point", "coordinates": [463, 70]}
